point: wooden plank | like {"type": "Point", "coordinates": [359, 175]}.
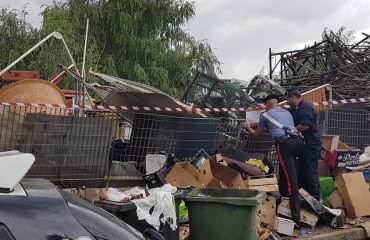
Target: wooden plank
{"type": "Point", "coordinates": [261, 180]}
{"type": "Point", "coordinates": [265, 188]}
{"type": "Point", "coordinates": [21, 75]}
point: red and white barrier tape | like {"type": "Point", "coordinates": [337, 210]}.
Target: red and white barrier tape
{"type": "Point", "coordinates": [169, 109]}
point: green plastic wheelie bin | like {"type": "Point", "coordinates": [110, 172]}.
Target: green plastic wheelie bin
{"type": "Point", "coordinates": [221, 214]}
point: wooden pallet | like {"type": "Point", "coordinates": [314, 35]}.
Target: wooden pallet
{"type": "Point", "coordinates": [261, 180]}
{"type": "Point", "coordinates": [265, 188]}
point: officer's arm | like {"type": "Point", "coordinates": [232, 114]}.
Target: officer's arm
{"type": "Point", "coordinates": [259, 131]}
{"type": "Point", "coordinates": [301, 128]}
{"type": "Point", "coordinates": [305, 118]}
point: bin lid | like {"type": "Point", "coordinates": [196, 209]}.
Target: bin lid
{"type": "Point", "coordinates": [240, 197]}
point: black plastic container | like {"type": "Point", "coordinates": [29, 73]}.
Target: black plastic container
{"type": "Point", "coordinates": [127, 213]}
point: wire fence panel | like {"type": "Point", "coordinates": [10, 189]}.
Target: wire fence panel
{"type": "Point", "coordinates": [70, 145]}
{"type": "Point", "coordinates": [65, 145]}
{"type": "Point", "coordinates": [353, 126]}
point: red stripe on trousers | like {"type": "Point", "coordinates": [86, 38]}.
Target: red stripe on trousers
{"type": "Point", "coordinates": [284, 169]}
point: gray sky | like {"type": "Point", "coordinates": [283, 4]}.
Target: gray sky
{"type": "Point", "coordinates": [241, 31]}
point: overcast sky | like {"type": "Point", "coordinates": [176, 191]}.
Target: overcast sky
{"type": "Point", "coordinates": [241, 31]}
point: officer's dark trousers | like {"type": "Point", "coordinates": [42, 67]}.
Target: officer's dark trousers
{"type": "Point", "coordinates": [288, 151]}
{"type": "Point", "coordinates": [307, 173]}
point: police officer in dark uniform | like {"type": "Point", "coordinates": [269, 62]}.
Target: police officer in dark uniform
{"type": "Point", "coordinates": [305, 120]}
{"type": "Point", "coordinates": [289, 145]}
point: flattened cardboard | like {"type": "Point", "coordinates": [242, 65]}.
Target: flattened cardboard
{"type": "Point", "coordinates": [335, 200]}
{"type": "Point", "coordinates": [366, 227]}
{"type": "Point", "coordinates": [307, 217]}
{"type": "Point", "coordinates": [216, 175]}
{"type": "Point", "coordinates": [183, 175]}
{"type": "Point", "coordinates": [355, 193]}
{"type": "Point", "coordinates": [267, 211]}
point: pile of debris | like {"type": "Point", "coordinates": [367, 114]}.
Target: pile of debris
{"type": "Point", "coordinates": [331, 61]}
{"type": "Point", "coordinates": [345, 192]}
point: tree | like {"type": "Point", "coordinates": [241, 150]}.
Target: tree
{"type": "Point", "coordinates": [17, 36]}
{"type": "Point", "coordinates": [140, 40]}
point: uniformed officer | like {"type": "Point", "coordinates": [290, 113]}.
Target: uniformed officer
{"type": "Point", "coordinates": [305, 120]}
{"type": "Point", "coordinates": [288, 147]}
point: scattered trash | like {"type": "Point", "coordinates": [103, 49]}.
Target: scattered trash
{"type": "Point", "coordinates": [200, 158]}
{"type": "Point", "coordinates": [338, 154]}
{"type": "Point", "coordinates": [304, 231]}
{"type": "Point", "coordinates": [326, 188]}
{"type": "Point", "coordinates": [154, 162]}
{"type": "Point", "coordinates": [284, 226]}
{"type": "Point", "coordinates": [184, 232]}
{"type": "Point", "coordinates": [114, 195]}
{"type": "Point", "coordinates": [335, 200]}
{"type": "Point", "coordinates": [267, 211]}
{"type": "Point", "coordinates": [307, 217]}
{"type": "Point", "coordinates": [331, 217]}
{"type": "Point", "coordinates": [183, 213]}
{"type": "Point", "coordinates": [163, 210]}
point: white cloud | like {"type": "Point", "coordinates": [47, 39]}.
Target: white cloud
{"type": "Point", "coordinates": [242, 31]}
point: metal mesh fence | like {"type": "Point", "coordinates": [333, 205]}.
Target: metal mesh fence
{"type": "Point", "coordinates": [75, 145]}
{"type": "Point", "coordinates": [65, 143]}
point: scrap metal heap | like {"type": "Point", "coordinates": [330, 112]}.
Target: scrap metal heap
{"type": "Point", "coordinates": [345, 66]}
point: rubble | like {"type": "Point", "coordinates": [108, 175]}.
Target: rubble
{"type": "Point", "coordinates": [330, 61]}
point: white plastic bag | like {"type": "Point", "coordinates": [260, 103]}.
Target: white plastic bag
{"type": "Point", "coordinates": [163, 203]}
{"type": "Point", "coordinates": [115, 195]}
{"type": "Point", "coordinates": [365, 157]}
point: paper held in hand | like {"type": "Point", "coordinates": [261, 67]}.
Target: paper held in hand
{"type": "Point", "coordinates": [253, 117]}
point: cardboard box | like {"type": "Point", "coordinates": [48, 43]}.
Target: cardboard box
{"type": "Point", "coordinates": [355, 193]}
{"type": "Point", "coordinates": [218, 158]}
{"type": "Point", "coordinates": [323, 168]}
{"type": "Point", "coordinates": [330, 142]}
{"type": "Point", "coordinates": [267, 210]}
{"type": "Point", "coordinates": [307, 217]}
{"type": "Point", "coordinates": [337, 153]}
{"type": "Point", "coordinates": [335, 200]}
{"type": "Point", "coordinates": [284, 226]}
{"type": "Point", "coordinates": [183, 175]}
{"type": "Point", "coordinates": [216, 175]}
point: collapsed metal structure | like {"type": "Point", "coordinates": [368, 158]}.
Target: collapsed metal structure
{"type": "Point", "coordinates": [345, 66]}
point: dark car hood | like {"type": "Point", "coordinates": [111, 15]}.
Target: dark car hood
{"type": "Point", "coordinates": [45, 214]}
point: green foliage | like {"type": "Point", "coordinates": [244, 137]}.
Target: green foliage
{"type": "Point", "coordinates": [347, 37]}
{"type": "Point", "coordinates": [140, 40]}
{"type": "Point", "coordinates": [17, 36]}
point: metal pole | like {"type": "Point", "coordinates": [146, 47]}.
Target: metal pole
{"type": "Point", "coordinates": [69, 54]}
{"type": "Point", "coordinates": [57, 35]}
{"type": "Point", "coordinates": [60, 74]}
{"type": "Point", "coordinates": [53, 34]}
{"type": "Point", "coordinates": [270, 63]}
{"type": "Point", "coordinates": [83, 72]}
